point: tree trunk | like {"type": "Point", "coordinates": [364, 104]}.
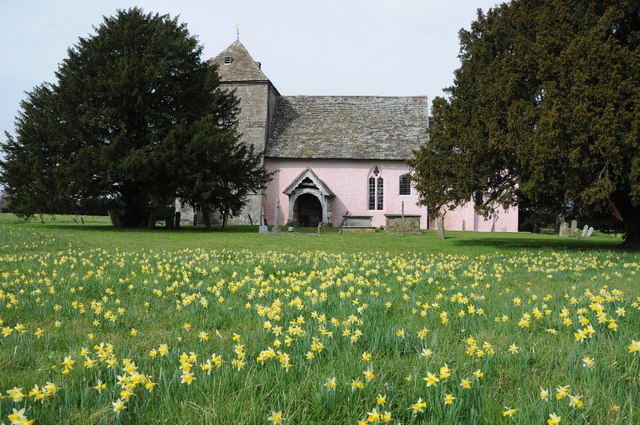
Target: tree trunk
{"type": "Point", "coordinates": [152, 220]}
{"type": "Point", "coordinates": [225, 217]}
{"type": "Point", "coordinates": [206, 217]}
{"type": "Point", "coordinates": [440, 225]}
{"type": "Point", "coordinates": [622, 209]}
{"type": "Point", "coordinates": [632, 232]}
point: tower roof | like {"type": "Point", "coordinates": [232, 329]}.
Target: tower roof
{"type": "Point", "coordinates": [236, 64]}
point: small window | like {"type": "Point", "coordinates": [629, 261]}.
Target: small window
{"type": "Point", "coordinates": [372, 193]}
{"type": "Point", "coordinates": [405, 185]}
{"type": "Point", "coordinates": [228, 60]}
{"type": "Point", "coordinates": [380, 193]}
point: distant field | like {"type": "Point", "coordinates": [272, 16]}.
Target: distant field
{"type": "Point", "coordinates": [101, 325]}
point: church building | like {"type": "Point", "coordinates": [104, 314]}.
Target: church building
{"type": "Point", "coordinates": [335, 158]}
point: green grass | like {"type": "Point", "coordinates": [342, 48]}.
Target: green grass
{"type": "Point", "coordinates": [470, 299]}
{"type": "Point", "coordinates": [97, 232]}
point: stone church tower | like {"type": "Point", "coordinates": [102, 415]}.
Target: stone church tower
{"type": "Point", "coordinates": [238, 71]}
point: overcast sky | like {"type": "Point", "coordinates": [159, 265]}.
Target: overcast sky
{"type": "Point", "coordinates": [306, 47]}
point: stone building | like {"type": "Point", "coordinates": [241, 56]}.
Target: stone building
{"type": "Point", "coordinates": [334, 157]}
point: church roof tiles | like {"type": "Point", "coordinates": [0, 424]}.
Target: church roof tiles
{"type": "Point", "coordinates": [347, 127]}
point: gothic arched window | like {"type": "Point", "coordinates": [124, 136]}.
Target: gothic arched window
{"type": "Point", "coordinates": [376, 190]}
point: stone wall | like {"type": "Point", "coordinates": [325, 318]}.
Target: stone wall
{"type": "Point", "coordinates": [256, 106]}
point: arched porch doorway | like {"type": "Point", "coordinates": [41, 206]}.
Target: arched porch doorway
{"type": "Point", "coordinates": [307, 210]}
{"type": "Point", "coordinates": [309, 200]}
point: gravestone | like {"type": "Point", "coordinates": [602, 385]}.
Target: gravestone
{"type": "Point", "coordinates": [262, 228]}
{"type": "Point", "coordinates": [276, 218]}
{"type": "Point", "coordinates": [440, 225]}
{"type": "Point", "coordinates": [564, 228]}
{"type": "Point", "coordinates": [585, 229]}
{"type": "Point", "coordinates": [574, 228]}
{"type": "Point", "coordinates": [589, 232]}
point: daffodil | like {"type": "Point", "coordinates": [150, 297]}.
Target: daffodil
{"type": "Point", "coordinates": [118, 405]}
{"type": "Point", "coordinates": [276, 418]}
{"type": "Point", "coordinates": [553, 419]}
{"type": "Point", "coordinates": [357, 384]}
{"type": "Point", "coordinates": [544, 394]}
{"type": "Point", "coordinates": [330, 383]}
{"type": "Point", "coordinates": [16, 394]}
{"type": "Point", "coordinates": [431, 379]}
{"type": "Point", "coordinates": [418, 406]}
{"type": "Point", "coordinates": [562, 392]}
{"type": "Point", "coordinates": [509, 411]}
{"type": "Point", "coordinates": [17, 416]}
{"type": "Point", "coordinates": [575, 401]}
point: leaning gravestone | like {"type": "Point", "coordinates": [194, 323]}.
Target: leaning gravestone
{"type": "Point", "coordinates": [574, 228]}
{"type": "Point", "coordinates": [585, 229]}
{"type": "Point", "coordinates": [564, 228]}
{"type": "Point", "coordinates": [589, 232]}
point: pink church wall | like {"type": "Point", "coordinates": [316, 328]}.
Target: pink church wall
{"type": "Point", "coordinates": [348, 180]}
{"type": "Point", "coordinates": [507, 220]}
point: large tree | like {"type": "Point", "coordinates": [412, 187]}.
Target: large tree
{"type": "Point", "coordinates": [543, 107]}
{"type": "Point", "coordinates": [220, 170]}
{"type": "Point", "coordinates": [117, 123]}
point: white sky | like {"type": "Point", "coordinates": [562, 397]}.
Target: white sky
{"type": "Point", "coordinates": [310, 47]}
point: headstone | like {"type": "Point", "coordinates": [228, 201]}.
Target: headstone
{"type": "Point", "coordinates": [564, 228]}
{"type": "Point", "coordinates": [276, 218]}
{"type": "Point", "coordinates": [464, 226]}
{"type": "Point", "coordinates": [440, 226]}
{"type": "Point", "coordinates": [589, 232]}
{"type": "Point", "coordinates": [584, 230]}
{"type": "Point", "coordinates": [574, 228]}
{"type": "Point", "coordinates": [262, 228]}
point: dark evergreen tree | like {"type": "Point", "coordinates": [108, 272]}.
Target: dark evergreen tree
{"type": "Point", "coordinates": [31, 165]}
{"type": "Point", "coordinates": [125, 93]}
{"type": "Point", "coordinates": [544, 105]}
{"type": "Point", "coordinates": [118, 125]}
{"type": "Point", "coordinates": [222, 171]}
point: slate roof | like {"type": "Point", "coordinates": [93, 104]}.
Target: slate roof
{"type": "Point", "coordinates": [347, 127]}
{"type": "Point", "coordinates": [242, 66]}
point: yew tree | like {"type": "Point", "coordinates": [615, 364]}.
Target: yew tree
{"type": "Point", "coordinates": [544, 107]}
{"type": "Point", "coordinates": [118, 122]}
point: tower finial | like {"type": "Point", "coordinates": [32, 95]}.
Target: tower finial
{"type": "Point", "coordinates": [238, 31]}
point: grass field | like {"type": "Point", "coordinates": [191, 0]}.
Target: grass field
{"type": "Point", "coordinates": [105, 326]}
